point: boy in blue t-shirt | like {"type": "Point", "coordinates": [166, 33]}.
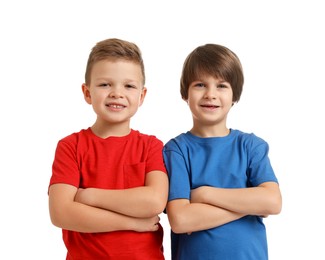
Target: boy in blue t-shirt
{"type": "Point", "coordinates": [221, 180]}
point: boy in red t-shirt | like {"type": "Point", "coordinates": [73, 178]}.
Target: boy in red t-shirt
{"type": "Point", "coordinates": [109, 183]}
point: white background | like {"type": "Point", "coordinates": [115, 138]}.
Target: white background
{"type": "Point", "coordinates": [43, 51]}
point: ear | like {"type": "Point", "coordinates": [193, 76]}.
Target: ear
{"type": "Point", "coordinates": [86, 92]}
{"type": "Point", "coordinates": [142, 95]}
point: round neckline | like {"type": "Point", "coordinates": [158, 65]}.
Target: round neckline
{"type": "Point", "coordinates": [212, 138]}
{"type": "Point", "coordinates": [115, 138]}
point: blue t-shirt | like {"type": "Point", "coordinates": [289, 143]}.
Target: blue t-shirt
{"type": "Point", "coordinates": [238, 160]}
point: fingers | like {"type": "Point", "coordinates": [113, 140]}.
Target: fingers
{"type": "Point", "coordinates": [156, 225]}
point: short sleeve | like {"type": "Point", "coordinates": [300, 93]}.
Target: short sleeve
{"type": "Point", "coordinates": [178, 172]}
{"type": "Point", "coordinates": [155, 160]}
{"type": "Point", "coordinates": [65, 166]}
{"type": "Point", "coordinates": [259, 169]}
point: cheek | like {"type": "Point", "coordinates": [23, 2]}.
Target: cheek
{"type": "Point", "coordinates": [229, 104]}
{"type": "Point", "coordinates": [192, 106]}
{"type": "Point", "coordinates": [192, 99]}
{"type": "Point", "coordinates": [97, 99]}
{"type": "Point", "coordinates": [228, 98]}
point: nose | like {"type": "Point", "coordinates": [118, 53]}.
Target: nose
{"type": "Point", "coordinates": [210, 93]}
{"type": "Point", "coordinates": [115, 92]}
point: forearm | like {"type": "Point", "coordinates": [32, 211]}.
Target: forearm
{"type": "Point", "coordinates": [190, 217]}
{"type": "Point", "coordinates": [261, 200]}
{"type": "Point", "coordinates": [68, 214]}
{"type": "Point", "coordinates": [82, 218]}
{"type": "Point", "coordinates": [145, 201]}
{"type": "Point", "coordinates": [136, 202]}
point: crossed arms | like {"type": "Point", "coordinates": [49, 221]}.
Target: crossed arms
{"type": "Point", "coordinates": [210, 207]}
{"type": "Point", "coordinates": [101, 210]}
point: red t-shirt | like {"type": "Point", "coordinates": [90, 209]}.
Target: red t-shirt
{"type": "Point", "coordinates": [85, 160]}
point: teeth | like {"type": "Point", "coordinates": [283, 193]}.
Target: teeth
{"type": "Point", "coordinates": [116, 106]}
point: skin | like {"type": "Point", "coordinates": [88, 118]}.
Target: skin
{"type": "Point", "coordinates": [115, 92]}
{"type": "Point", "coordinates": [210, 100]}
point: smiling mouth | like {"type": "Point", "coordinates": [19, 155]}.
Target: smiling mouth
{"type": "Point", "coordinates": [116, 106]}
{"type": "Point", "coordinates": [210, 106]}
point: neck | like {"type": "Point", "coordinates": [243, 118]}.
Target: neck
{"type": "Point", "coordinates": [105, 130]}
{"type": "Point", "coordinates": [210, 131]}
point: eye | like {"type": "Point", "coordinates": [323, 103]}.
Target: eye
{"type": "Point", "coordinates": [199, 85]}
{"type": "Point", "coordinates": [103, 85]}
{"type": "Point", "coordinates": [130, 86]}
{"type": "Point", "coordinates": [222, 85]}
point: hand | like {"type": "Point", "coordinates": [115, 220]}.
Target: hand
{"type": "Point", "coordinates": [147, 224]}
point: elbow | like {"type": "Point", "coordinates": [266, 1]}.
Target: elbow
{"type": "Point", "coordinates": [277, 207]}
{"type": "Point", "coordinates": [177, 229]}
{"type": "Point", "coordinates": [55, 220]}
{"type": "Point", "coordinates": [271, 201]}
{"type": "Point", "coordinates": [274, 206]}
{"type": "Point", "coordinates": [57, 217]}
{"type": "Point", "coordinates": [178, 224]}
{"type": "Point", "coordinates": [155, 205]}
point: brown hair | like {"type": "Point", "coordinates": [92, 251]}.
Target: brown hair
{"type": "Point", "coordinates": [113, 49]}
{"type": "Point", "coordinates": [214, 60]}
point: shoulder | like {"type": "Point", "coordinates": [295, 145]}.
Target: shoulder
{"type": "Point", "coordinates": [248, 138]}
{"type": "Point", "coordinates": [144, 138]}
{"type": "Point", "coordinates": [251, 143]}
{"type": "Point", "coordinates": [75, 137]}
{"type": "Point", "coordinates": [177, 143]}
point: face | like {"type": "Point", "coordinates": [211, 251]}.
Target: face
{"type": "Point", "coordinates": [116, 90]}
{"type": "Point", "coordinates": [210, 100]}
